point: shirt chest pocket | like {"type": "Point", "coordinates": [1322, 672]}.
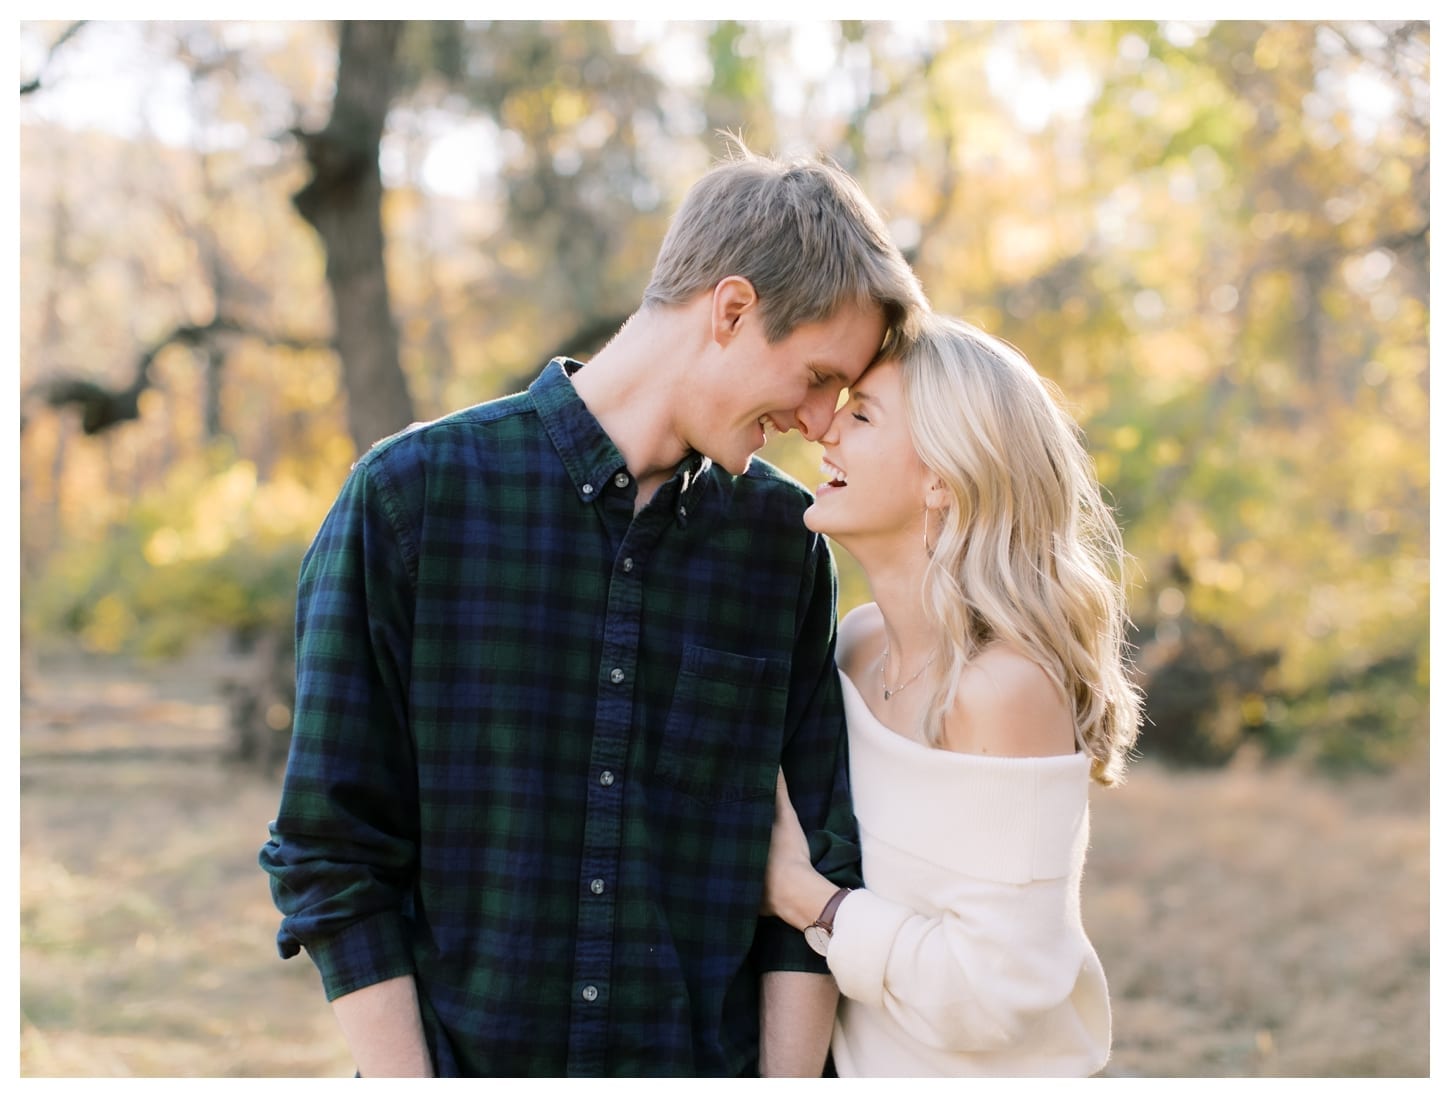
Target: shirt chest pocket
{"type": "Point", "coordinates": [726, 723]}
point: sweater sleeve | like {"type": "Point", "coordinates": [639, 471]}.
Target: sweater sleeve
{"type": "Point", "coordinates": [975, 977]}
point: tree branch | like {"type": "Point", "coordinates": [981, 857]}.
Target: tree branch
{"type": "Point", "coordinates": [102, 407]}
{"type": "Point", "coordinates": [32, 86]}
{"type": "Point", "coordinates": [584, 342]}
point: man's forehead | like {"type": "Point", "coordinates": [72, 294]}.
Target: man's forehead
{"type": "Point", "coordinates": [834, 372]}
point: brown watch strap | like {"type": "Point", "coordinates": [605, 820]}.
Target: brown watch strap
{"type": "Point", "coordinates": [827, 919]}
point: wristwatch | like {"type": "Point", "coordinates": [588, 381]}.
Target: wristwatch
{"type": "Point", "coordinates": [818, 934]}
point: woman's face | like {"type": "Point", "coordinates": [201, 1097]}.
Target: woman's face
{"type": "Point", "coordinates": [875, 484]}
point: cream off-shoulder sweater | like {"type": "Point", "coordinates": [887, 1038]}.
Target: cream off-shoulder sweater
{"type": "Point", "coordinates": [965, 954]}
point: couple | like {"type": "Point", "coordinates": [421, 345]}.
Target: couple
{"type": "Point", "coordinates": [569, 790]}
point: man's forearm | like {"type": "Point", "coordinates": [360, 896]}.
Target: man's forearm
{"type": "Point", "coordinates": [384, 1029]}
{"type": "Point", "coordinates": [797, 1014]}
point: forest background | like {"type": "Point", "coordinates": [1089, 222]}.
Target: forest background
{"type": "Point", "coordinates": [248, 250]}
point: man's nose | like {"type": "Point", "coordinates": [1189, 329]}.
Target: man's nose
{"type": "Point", "coordinates": [832, 434]}
{"type": "Point", "coordinates": [813, 418]}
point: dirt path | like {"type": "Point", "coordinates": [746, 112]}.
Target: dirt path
{"type": "Point", "coordinates": [147, 928]}
{"type": "Point", "coordinates": [1250, 923]}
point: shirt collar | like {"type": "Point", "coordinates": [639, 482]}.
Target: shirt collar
{"type": "Point", "coordinates": [588, 454]}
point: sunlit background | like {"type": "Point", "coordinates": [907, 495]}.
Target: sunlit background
{"type": "Point", "coordinates": [1213, 236]}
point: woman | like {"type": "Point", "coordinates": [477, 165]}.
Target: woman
{"type": "Point", "coordinates": [985, 688]}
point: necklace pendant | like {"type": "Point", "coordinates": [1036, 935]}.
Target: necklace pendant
{"type": "Point", "coordinates": [887, 691]}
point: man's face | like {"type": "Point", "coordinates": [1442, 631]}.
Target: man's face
{"type": "Point", "coordinates": [758, 387]}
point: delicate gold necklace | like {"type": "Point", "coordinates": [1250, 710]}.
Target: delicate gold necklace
{"type": "Point", "coordinates": [887, 691]}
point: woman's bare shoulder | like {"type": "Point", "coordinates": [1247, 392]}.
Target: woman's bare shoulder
{"type": "Point", "coordinates": [1007, 706]}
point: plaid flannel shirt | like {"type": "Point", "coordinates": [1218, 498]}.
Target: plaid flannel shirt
{"type": "Point", "coordinates": [536, 737]}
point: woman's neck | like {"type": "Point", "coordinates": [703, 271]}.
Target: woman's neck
{"type": "Point", "coordinates": [896, 577]}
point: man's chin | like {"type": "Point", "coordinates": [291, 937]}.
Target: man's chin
{"type": "Point", "coordinates": [735, 465]}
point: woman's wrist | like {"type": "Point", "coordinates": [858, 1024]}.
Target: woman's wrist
{"type": "Point", "coordinates": [809, 894]}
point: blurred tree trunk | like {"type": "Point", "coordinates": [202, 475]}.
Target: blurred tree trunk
{"type": "Point", "coordinates": [343, 202]}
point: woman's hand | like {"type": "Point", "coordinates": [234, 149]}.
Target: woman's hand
{"type": "Point", "coordinates": [794, 891]}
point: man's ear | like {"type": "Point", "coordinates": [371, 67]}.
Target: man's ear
{"type": "Point", "coordinates": [732, 298]}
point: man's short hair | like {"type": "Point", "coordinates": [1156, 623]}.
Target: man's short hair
{"type": "Point", "coordinates": [802, 232]}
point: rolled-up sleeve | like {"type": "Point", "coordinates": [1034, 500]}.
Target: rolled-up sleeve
{"type": "Point", "coordinates": [815, 760]}
{"type": "Point", "coordinates": [343, 850]}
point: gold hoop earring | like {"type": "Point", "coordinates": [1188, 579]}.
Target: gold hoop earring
{"type": "Point", "coordinates": [925, 544]}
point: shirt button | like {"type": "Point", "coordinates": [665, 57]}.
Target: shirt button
{"type": "Point", "coordinates": [621, 480]}
{"type": "Point", "coordinates": [616, 676]}
{"type": "Point", "coordinates": [606, 778]}
{"type": "Point", "coordinates": [588, 489]}
{"type": "Point", "coordinates": [628, 564]}
{"type": "Point", "coordinates": [681, 512]}
{"type": "Point", "coordinates": [590, 993]}
{"type": "Point", "coordinates": [596, 886]}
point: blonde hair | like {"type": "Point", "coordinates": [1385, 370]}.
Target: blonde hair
{"type": "Point", "coordinates": [802, 232]}
{"type": "Point", "coordinates": [1028, 553]}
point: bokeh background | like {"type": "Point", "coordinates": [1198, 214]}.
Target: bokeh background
{"type": "Point", "coordinates": [248, 250]}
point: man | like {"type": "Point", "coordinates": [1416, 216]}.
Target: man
{"type": "Point", "coordinates": [552, 651]}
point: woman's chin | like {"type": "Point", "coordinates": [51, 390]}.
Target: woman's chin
{"type": "Point", "coordinates": [814, 520]}
{"type": "Point", "coordinates": [818, 518]}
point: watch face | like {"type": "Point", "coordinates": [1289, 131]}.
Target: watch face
{"type": "Point", "coordinates": [818, 938]}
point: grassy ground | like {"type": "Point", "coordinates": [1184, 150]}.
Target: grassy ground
{"type": "Point", "coordinates": [1252, 923]}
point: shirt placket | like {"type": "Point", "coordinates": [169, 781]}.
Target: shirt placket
{"type": "Point", "coordinates": [606, 783]}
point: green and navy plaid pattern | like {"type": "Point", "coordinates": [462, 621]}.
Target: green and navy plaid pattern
{"type": "Point", "coordinates": [536, 737]}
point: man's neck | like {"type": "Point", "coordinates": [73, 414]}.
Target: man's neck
{"type": "Point", "coordinates": [633, 391]}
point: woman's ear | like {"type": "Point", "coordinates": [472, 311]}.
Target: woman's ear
{"type": "Point", "coordinates": [733, 297]}
{"type": "Point", "coordinates": [936, 493]}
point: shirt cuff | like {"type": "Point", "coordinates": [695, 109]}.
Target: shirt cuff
{"type": "Point", "coordinates": [367, 952]}
{"type": "Point", "coordinates": [780, 947]}
{"type": "Point", "coordinates": [836, 858]}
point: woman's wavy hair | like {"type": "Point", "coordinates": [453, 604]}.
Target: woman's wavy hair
{"type": "Point", "coordinates": [1027, 552]}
